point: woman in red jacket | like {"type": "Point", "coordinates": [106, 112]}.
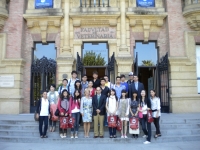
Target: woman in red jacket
{"type": "Point", "coordinates": [64, 106]}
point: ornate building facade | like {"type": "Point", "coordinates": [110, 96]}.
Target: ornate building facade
{"type": "Point", "coordinates": [172, 26]}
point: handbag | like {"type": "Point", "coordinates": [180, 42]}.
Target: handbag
{"type": "Point", "coordinates": [119, 124]}
{"type": "Point", "coordinates": [112, 121]}
{"type": "Point", "coordinates": [36, 117]}
{"type": "Point", "coordinates": [133, 122]}
{"type": "Point", "coordinates": [149, 116]}
{"type": "Point", "coordinates": [140, 114]}
{"type": "Point", "coordinates": [57, 112]}
{"type": "Point", "coordinates": [71, 121]}
{"type": "Point", "coordinates": [63, 122]}
{"type": "Point", "coordinates": [53, 109]}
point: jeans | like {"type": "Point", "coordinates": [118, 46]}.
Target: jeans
{"type": "Point", "coordinates": [146, 127]}
{"type": "Point", "coordinates": [43, 119]}
{"type": "Point", "coordinates": [76, 116]}
{"type": "Point", "coordinates": [112, 131]}
{"type": "Point", "coordinates": [157, 125]}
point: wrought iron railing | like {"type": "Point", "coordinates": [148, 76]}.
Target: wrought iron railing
{"type": "Point", "coordinates": [94, 3]}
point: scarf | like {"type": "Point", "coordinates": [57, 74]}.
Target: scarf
{"type": "Point", "coordinates": [55, 97]}
{"type": "Point", "coordinates": [65, 104]}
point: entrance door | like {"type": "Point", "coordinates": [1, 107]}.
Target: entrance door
{"type": "Point", "coordinates": [89, 71]}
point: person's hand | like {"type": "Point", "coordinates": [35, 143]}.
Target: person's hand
{"type": "Point", "coordinates": [133, 115]}
{"type": "Point", "coordinates": [37, 116]}
{"type": "Point", "coordinates": [148, 109]}
{"type": "Point", "coordinates": [66, 114]}
{"type": "Point", "coordinates": [157, 115]}
{"type": "Point", "coordinates": [62, 114]}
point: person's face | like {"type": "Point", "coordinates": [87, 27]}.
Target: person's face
{"type": "Point", "coordinates": [106, 78]}
{"type": "Point", "coordinates": [44, 95]}
{"type": "Point", "coordinates": [87, 92]}
{"type": "Point", "coordinates": [74, 75]}
{"type": "Point", "coordinates": [123, 94]}
{"type": "Point", "coordinates": [131, 77]}
{"type": "Point", "coordinates": [84, 78]}
{"type": "Point", "coordinates": [90, 84]}
{"type": "Point", "coordinates": [112, 93]}
{"type": "Point", "coordinates": [134, 94]}
{"type": "Point", "coordinates": [77, 93]}
{"type": "Point", "coordinates": [78, 84]}
{"type": "Point", "coordinates": [95, 76]}
{"type": "Point", "coordinates": [64, 82]}
{"type": "Point", "coordinates": [123, 79]}
{"type": "Point", "coordinates": [52, 89]}
{"type": "Point", "coordinates": [143, 93]}
{"type": "Point", "coordinates": [103, 82]}
{"type": "Point", "coordinates": [152, 93]}
{"type": "Point", "coordinates": [98, 90]}
{"type": "Point", "coordinates": [135, 78]}
{"type": "Point", "coordinates": [118, 80]}
{"type": "Point", "coordinates": [65, 94]}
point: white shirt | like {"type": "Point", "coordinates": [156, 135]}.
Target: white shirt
{"type": "Point", "coordinates": [44, 107]}
{"type": "Point", "coordinates": [155, 104]}
{"type": "Point", "coordinates": [144, 109]}
{"type": "Point", "coordinates": [112, 104]}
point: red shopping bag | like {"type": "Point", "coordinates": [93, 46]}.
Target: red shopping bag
{"type": "Point", "coordinates": [149, 116]}
{"type": "Point", "coordinates": [64, 122]}
{"type": "Point", "coordinates": [140, 114]}
{"type": "Point", "coordinates": [53, 109]}
{"type": "Point", "coordinates": [71, 121]}
{"type": "Point", "coordinates": [112, 121]}
{"type": "Point", "coordinates": [133, 121]}
{"type": "Point", "coordinates": [119, 124]}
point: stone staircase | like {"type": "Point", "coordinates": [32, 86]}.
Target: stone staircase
{"type": "Point", "coordinates": [174, 128]}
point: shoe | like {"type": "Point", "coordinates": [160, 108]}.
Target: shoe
{"type": "Point", "coordinates": [133, 135]}
{"type": "Point", "coordinates": [76, 136]}
{"type": "Point", "coordinates": [136, 136]}
{"type": "Point", "coordinates": [122, 136]}
{"type": "Point", "coordinates": [61, 135]}
{"type": "Point", "coordinates": [96, 136]}
{"type": "Point", "coordinates": [45, 136]}
{"type": "Point", "coordinates": [114, 136]}
{"type": "Point", "coordinates": [64, 136]}
{"type": "Point", "coordinates": [53, 129]}
{"type": "Point", "coordinates": [72, 136]}
{"type": "Point", "coordinates": [146, 142]}
{"type": "Point", "coordinates": [125, 137]}
{"type": "Point", "coordinates": [144, 136]}
{"type": "Point", "coordinates": [101, 137]}
{"type": "Point", "coordinates": [50, 129]}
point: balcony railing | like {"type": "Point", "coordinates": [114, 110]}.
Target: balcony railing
{"type": "Point", "coordinates": [94, 3]}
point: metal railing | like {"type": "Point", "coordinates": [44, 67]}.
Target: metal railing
{"type": "Point", "coordinates": [94, 3]}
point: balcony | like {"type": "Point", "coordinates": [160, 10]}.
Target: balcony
{"type": "Point", "coordinates": [191, 12]}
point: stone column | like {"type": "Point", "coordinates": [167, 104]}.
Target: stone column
{"type": "Point", "coordinates": [123, 24]}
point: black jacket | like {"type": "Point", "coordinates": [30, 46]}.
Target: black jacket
{"type": "Point", "coordinates": [101, 106]}
{"type": "Point", "coordinates": [140, 88]}
{"type": "Point", "coordinates": [39, 106]}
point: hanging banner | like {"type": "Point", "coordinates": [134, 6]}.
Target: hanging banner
{"type": "Point", "coordinates": [145, 3]}
{"type": "Point", "coordinates": [43, 4]}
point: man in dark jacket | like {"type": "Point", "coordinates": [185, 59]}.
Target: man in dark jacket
{"type": "Point", "coordinates": [98, 103]}
{"type": "Point", "coordinates": [129, 82]}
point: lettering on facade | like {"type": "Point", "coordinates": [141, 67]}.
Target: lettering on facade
{"type": "Point", "coordinates": [95, 33]}
{"type": "Point", "coordinates": [7, 81]}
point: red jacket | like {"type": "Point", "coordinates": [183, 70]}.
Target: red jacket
{"type": "Point", "coordinates": [62, 110]}
{"type": "Point", "coordinates": [73, 104]}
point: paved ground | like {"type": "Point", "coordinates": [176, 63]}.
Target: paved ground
{"type": "Point", "coordinates": [55, 146]}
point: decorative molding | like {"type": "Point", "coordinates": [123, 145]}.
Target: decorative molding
{"type": "Point", "coordinates": [147, 21]}
{"type": "Point", "coordinates": [193, 19]}
{"type": "Point", "coordinates": [3, 13]}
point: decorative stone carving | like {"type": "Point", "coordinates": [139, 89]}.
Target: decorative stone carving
{"type": "Point", "coordinates": [3, 13]}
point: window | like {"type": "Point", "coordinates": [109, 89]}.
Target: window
{"type": "Point", "coordinates": [43, 4]}
{"type": "Point", "coordinates": [198, 67]}
{"type": "Point", "coordinates": [147, 53]}
{"type": "Point", "coordinates": [145, 3]}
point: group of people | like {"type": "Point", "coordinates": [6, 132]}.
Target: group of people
{"type": "Point", "coordinates": [96, 101]}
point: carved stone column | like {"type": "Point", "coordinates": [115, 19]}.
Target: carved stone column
{"type": "Point", "coordinates": [3, 13]}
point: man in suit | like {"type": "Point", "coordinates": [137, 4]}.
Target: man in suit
{"type": "Point", "coordinates": [136, 86]}
{"type": "Point", "coordinates": [98, 103]}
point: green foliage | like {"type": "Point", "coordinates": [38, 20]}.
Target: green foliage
{"type": "Point", "coordinates": [147, 63]}
{"type": "Point", "coordinates": [59, 86]}
{"type": "Point", "coordinates": [91, 59]}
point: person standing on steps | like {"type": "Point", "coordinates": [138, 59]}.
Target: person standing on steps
{"type": "Point", "coordinates": [136, 87]}
{"type": "Point", "coordinates": [129, 82]}
{"type": "Point", "coordinates": [156, 111]}
{"type": "Point", "coordinates": [96, 81]}
{"type": "Point", "coordinates": [77, 86]}
{"type": "Point", "coordinates": [64, 86]}
{"type": "Point", "coordinates": [91, 89]}
{"type": "Point", "coordinates": [118, 87]}
{"type": "Point", "coordinates": [98, 104]}
{"type": "Point", "coordinates": [108, 84]}
{"type": "Point", "coordinates": [84, 84]}
{"type": "Point", "coordinates": [71, 83]}
{"type": "Point", "coordinates": [52, 96]}
{"type": "Point", "coordinates": [75, 112]}
{"type": "Point", "coordinates": [86, 112]}
{"type": "Point", "coordinates": [63, 107]}
{"type": "Point", "coordinates": [145, 104]}
{"type": "Point", "coordinates": [43, 113]}
{"type": "Point", "coordinates": [111, 107]}
{"type": "Point", "coordinates": [123, 78]}
{"type": "Point", "coordinates": [123, 112]}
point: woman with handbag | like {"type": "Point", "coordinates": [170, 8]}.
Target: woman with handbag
{"type": "Point", "coordinates": [123, 112]}
{"type": "Point", "coordinates": [111, 107]}
{"type": "Point", "coordinates": [52, 96]}
{"type": "Point", "coordinates": [43, 113]}
{"type": "Point", "coordinates": [75, 112]}
{"type": "Point", "coordinates": [144, 105]}
{"type": "Point", "coordinates": [134, 113]}
{"type": "Point", "coordinates": [156, 111]}
{"type": "Point", "coordinates": [63, 107]}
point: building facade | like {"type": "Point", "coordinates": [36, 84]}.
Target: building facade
{"type": "Point", "coordinates": [124, 32]}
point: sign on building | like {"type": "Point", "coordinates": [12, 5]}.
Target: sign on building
{"type": "Point", "coordinates": [7, 81]}
{"type": "Point", "coordinates": [145, 3]}
{"type": "Point", "coordinates": [43, 4]}
{"type": "Point", "coordinates": [95, 33]}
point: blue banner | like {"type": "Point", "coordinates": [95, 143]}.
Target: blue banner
{"type": "Point", "coordinates": [145, 3]}
{"type": "Point", "coordinates": [43, 4]}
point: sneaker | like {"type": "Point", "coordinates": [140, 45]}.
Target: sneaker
{"type": "Point", "coordinates": [122, 136]}
{"type": "Point", "coordinates": [76, 136]}
{"type": "Point", "coordinates": [72, 136]}
{"type": "Point", "coordinates": [125, 137]}
{"type": "Point", "coordinates": [61, 135]}
{"type": "Point", "coordinates": [64, 136]}
{"type": "Point", "coordinates": [147, 142]}
{"type": "Point", "coordinates": [144, 136]}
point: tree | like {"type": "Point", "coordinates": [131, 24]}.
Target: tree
{"type": "Point", "coordinates": [147, 63]}
{"type": "Point", "coordinates": [91, 59]}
